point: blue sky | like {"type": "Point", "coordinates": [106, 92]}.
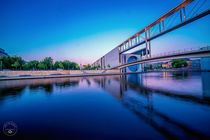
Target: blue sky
{"type": "Point", "coordinates": [84, 30]}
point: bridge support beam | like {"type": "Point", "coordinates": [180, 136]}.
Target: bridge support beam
{"type": "Point", "coordinates": [184, 13]}
{"type": "Point", "coordinates": [180, 13]}
{"type": "Point", "coordinates": [146, 43]}
{"type": "Point", "coordinates": [141, 67]}
{"type": "Point", "coordinates": [149, 43]}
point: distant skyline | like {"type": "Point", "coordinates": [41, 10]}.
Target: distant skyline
{"type": "Point", "coordinates": [84, 30]}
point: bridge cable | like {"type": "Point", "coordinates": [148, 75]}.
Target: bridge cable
{"type": "Point", "coordinates": [193, 8]}
{"type": "Point", "coordinates": [199, 8]}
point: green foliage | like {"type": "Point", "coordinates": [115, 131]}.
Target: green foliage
{"type": "Point", "coordinates": [42, 66]}
{"type": "Point", "coordinates": [73, 66]}
{"type": "Point", "coordinates": [26, 66]}
{"type": "Point", "coordinates": [93, 68]}
{"type": "Point", "coordinates": [77, 67]}
{"type": "Point", "coordinates": [108, 66]}
{"type": "Point", "coordinates": [61, 65]}
{"type": "Point", "coordinates": [14, 62]}
{"type": "Point", "coordinates": [33, 64]}
{"type": "Point", "coordinates": [67, 65]}
{"type": "Point", "coordinates": [98, 67]}
{"type": "Point", "coordinates": [58, 65]}
{"type": "Point", "coordinates": [48, 62]}
{"type": "Point", "coordinates": [178, 63]}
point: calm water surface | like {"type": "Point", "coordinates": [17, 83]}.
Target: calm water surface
{"type": "Point", "coordinates": [161, 105]}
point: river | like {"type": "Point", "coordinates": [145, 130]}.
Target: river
{"type": "Point", "coordinates": [153, 105]}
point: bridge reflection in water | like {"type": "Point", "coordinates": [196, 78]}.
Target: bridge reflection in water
{"type": "Point", "coordinates": [175, 110]}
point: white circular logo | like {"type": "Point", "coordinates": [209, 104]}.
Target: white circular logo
{"type": "Point", "coordinates": [10, 128]}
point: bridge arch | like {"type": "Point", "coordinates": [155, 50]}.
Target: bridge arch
{"type": "Point", "coordinates": [133, 68]}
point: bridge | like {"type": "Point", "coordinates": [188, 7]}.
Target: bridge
{"type": "Point", "coordinates": [184, 13]}
{"type": "Point", "coordinates": [186, 53]}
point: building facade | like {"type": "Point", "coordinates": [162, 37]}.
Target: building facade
{"type": "Point", "coordinates": [3, 53]}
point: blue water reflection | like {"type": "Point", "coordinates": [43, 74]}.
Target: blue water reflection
{"type": "Point", "coordinates": [161, 105]}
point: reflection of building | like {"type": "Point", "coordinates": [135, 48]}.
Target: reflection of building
{"type": "Point", "coordinates": [3, 53]}
{"type": "Point", "coordinates": [196, 63]}
{"type": "Point", "coordinates": [205, 83]}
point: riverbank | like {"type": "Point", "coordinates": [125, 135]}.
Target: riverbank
{"type": "Point", "coordinates": [57, 76]}
{"type": "Point", "coordinates": [23, 73]}
{"type": "Point", "coordinates": [18, 75]}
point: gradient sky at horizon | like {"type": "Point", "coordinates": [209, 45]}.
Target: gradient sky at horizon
{"type": "Point", "coordinates": [84, 30]}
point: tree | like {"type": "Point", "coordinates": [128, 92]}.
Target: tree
{"type": "Point", "coordinates": [26, 66]}
{"type": "Point", "coordinates": [19, 62]}
{"type": "Point", "coordinates": [56, 65]}
{"type": "Point", "coordinates": [33, 64]}
{"type": "Point", "coordinates": [77, 67]}
{"type": "Point", "coordinates": [108, 66]}
{"type": "Point", "coordinates": [93, 68]}
{"type": "Point", "coordinates": [42, 66]}
{"type": "Point", "coordinates": [7, 62]}
{"type": "Point", "coordinates": [66, 64]}
{"type": "Point", "coordinates": [73, 66]}
{"type": "Point", "coordinates": [48, 61]}
{"type": "Point", "coordinates": [60, 65]}
{"type": "Point", "coordinates": [178, 63]}
{"type": "Point", "coordinates": [16, 64]}
{"type": "Point", "coordinates": [98, 67]}
{"type": "Point", "coordinates": [11, 62]}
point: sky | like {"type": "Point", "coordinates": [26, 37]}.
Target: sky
{"type": "Point", "coordinates": [84, 30]}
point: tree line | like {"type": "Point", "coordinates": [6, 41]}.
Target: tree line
{"type": "Point", "coordinates": [17, 63]}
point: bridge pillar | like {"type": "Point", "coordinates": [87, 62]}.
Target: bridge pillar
{"type": "Point", "coordinates": [142, 67]}
{"type": "Point", "coordinates": [146, 43]}
{"type": "Point", "coordinates": [205, 64]}
{"type": "Point", "coordinates": [149, 43]}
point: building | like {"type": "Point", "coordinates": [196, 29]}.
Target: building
{"type": "Point", "coordinates": [3, 53]}
{"type": "Point", "coordinates": [165, 65]}
{"type": "Point", "coordinates": [157, 65]}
